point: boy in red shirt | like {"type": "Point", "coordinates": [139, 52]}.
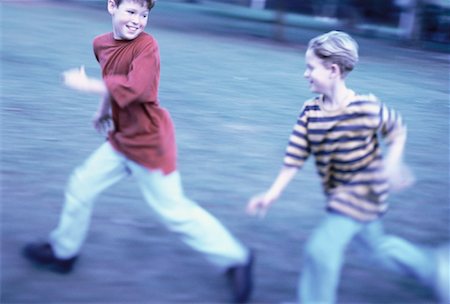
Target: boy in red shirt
{"type": "Point", "coordinates": [142, 144]}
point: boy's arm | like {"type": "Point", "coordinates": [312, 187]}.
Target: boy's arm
{"type": "Point", "coordinates": [296, 154]}
{"type": "Point", "coordinates": [397, 172]}
{"type": "Point", "coordinates": [259, 204]}
{"type": "Point", "coordinates": [141, 82]}
{"type": "Point", "coordinates": [78, 80]}
{"type": "Point", "coordinates": [395, 150]}
{"type": "Point", "coordinates": [395, 133]}
{"type": "Point", "coordinates": [102, 118]}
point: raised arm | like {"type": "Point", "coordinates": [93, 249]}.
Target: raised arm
{"type": "Point", "coordinates": [78, 80]}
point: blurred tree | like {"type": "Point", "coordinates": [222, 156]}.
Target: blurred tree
{"type": "Point", "coordinates": [279, 17]}
{"type": "Point", "coordinates": [435, 21]}
{"type": "Point", "coordinates": [325, 8]}
{"type": "Point", "coordinates": [258, 4]}
{"type": "Point", "coordinates": [408, 18]}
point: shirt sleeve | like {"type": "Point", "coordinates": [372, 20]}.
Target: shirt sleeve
{"type": "Point", "coordinates": [391, 124]}
{"type": "Point", "coordinates": [142, 81]}
{"type": "Point", "coordinates": [298, 148]}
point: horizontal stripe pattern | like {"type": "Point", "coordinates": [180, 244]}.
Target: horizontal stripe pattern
{"type": "Point", "coordinates": [347, 152]}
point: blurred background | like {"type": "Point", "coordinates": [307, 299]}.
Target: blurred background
{"type": "Point", "coordinates": [410, 20]}
{"type": "Point", "coordinates": [232, 78]}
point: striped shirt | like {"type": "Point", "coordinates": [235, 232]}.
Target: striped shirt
{"type": "Point", "coordinates": [348, 157]}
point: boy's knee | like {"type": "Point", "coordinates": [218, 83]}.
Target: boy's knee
{"type": "Point", "coordinates": [384, 245]}
{"type": "Point", "coordinates": [191, 220]}
{"type": "Point", "coordinates": [316, 251]}
{"type": "Point", "coordinates": [79, 187]}
{"type": "Point", "coordinates": [77, 178]}
{"type": "Point", "coordinates": [322, 255]}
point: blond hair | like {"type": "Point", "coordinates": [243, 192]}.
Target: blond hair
{"type": "Point", "coordinates": [336, 47]}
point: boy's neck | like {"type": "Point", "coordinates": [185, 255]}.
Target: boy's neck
{"type": "Point", "coordinates": [339, 98]}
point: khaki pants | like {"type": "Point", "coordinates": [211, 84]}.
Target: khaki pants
{"type": "Point", "coordinates": [163, 193]}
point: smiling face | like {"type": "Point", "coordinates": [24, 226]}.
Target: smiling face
{"type": "Point", "coordinates": [319, 75]}
{"type": "Point", "coordinates": [129, 18]}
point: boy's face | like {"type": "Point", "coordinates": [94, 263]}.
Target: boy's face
{"type": "Point", "coordinates": [320, 76]}
{"type": "Point", "coordinates": [129, 19]}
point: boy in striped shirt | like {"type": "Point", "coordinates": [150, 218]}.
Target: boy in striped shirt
{"type": "Point", "coordinates": [342, 129]}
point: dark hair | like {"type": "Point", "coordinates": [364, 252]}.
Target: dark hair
{"type": "Point", "coordinates": [149, 3]}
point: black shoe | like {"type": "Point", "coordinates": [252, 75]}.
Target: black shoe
{"type": "Point", "coordinates": [241, 280]}
{"type": "Point", "coordinates": [42, 254]}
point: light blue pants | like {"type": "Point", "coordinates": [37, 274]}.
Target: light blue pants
{"type": "Point", "coordinates": [324, 254]}
{"type": "Point", "coordinates": [163, 193]}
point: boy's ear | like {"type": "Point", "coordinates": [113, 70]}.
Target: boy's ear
{"type": "Point", "coordinates": [112, 6]}
{"type": "Point", "coordinates": [335, 70]}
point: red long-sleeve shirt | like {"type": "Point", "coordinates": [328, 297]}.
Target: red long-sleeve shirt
{"type": "Point", "coordinates": [143, 131]}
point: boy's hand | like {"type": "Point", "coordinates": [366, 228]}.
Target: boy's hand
{"type": "Point", "coordinates": [399, 176]}
{"type": "Point", "coordinates": [259, 204]}
{"type": "Point", "coordinates": [102, 122]}
{"type": "Point", "coordinates": [76, 79]}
